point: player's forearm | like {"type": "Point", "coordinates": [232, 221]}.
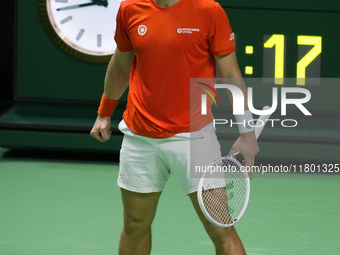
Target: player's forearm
{"type": "Point", "coordinates": [231, 74]}
{"type": "Point", "coordinates": [235, 78]}
{"type": "Point", "coordinates": [116, 79]}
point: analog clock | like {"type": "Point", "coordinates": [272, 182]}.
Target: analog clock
{"type": "Point", "coordinates": [83, 28]}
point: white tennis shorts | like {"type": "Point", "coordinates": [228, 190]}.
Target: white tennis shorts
{"type": "Point", "coordinates": [146, 163]}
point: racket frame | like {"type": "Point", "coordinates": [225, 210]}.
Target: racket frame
{"type": "Point", "coordinates": [199, 192]}
{"type": "Point", "coordinates": [258, 131]}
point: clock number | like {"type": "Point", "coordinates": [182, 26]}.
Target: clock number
{"type": "Point", "coordinates": [81, 32]}
{"type": "Point", "coordinates": [279, 42]}
{"type": "Point", "coordinates": [309, 57]}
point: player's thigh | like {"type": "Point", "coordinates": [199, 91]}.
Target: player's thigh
{"type": "Point", "coordinates": [139, 208]}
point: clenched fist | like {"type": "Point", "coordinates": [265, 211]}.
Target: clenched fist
{"type": "Point", "coordinates": [101, 129]}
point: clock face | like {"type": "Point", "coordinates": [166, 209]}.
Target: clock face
{"type": "Point", "coordinates": [85, 26]}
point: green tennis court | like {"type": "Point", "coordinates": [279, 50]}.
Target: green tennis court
{"type": "Point", "coordinates": [53, 203]}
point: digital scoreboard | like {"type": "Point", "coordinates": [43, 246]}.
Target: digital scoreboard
{"type": "Point", "coordinates": [289, 48]}
{"type": "Point", "coordinates": [274, 59]}
{"type": "Point", "coordinates": [276, 44]}
{"type": "Point", "coordinates": [308, 60]}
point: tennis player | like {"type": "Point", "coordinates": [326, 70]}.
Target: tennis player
{"type": "Point", "coordinates": [161, 44]}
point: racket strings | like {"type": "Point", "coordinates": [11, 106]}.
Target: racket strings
{"type": "Point", "coordinates": [224, 198]}
{"type": "Point", "coordinates": [216, 204]}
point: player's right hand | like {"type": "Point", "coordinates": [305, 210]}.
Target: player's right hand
{"type": "Point", "coordinates": [101, 129]}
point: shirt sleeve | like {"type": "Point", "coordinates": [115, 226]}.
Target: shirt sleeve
{"type": "Point", "coordinates": [221, 38]}
{"type": "Point", "coordinates": [121, 36]}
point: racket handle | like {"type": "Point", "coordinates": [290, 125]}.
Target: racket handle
{"type": "Point", "coordinates": [263, 118]}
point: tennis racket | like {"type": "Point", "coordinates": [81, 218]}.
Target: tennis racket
{"type": "Point", "coordinates": [223, 199]}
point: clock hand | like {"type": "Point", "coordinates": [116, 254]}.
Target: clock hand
{"type": "Point", "coordinates": [94, 2]}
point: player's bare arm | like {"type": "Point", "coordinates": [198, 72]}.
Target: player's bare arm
{"type": "Point", "coordinates": [116, 82]}
{"type": "Point", "coordinates": [246, 143]}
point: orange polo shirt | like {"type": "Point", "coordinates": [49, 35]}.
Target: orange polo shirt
{"type": "Point", "coordinates": [172, 45]}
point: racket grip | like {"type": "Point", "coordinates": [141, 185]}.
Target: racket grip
{"type": "Point", "coordinates": [262, 118]}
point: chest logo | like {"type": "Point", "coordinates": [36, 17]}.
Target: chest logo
{"type": "Point", "coordinates": [142, 29]}
{"type": "Point", "coordinates": [187, 30]}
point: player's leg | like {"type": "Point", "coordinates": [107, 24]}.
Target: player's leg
{"type": "Point", "coordinates": [142, 176]}
{"type": "Point", "coordinates": [183, 156]}
{"type": "Point", "coordinates": [139, 212]}
{"type": "Point", "coordinates": [202, 152]}
{"type": "Point", "coordinates": [226, 240]}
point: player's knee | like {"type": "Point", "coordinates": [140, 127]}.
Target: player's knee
{"type": "Point", "coordinates": [220, 236]}
{"type": "Point", "coordinates": [137, 224]}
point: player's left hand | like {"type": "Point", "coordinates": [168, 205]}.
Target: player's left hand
{"type": "Point", "coordinates": [246, 144]}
